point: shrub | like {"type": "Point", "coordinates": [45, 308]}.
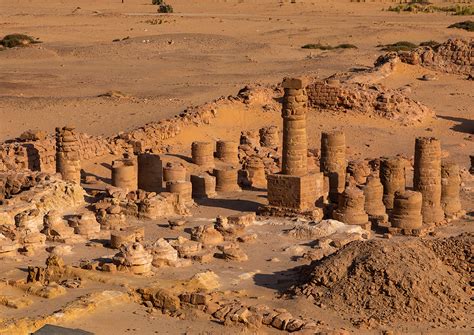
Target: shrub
{"type": "Point", "coordinates": [399, 46]}
{"type": "Point", "coordinates": [320, 46]}
{"type": "Point", "coordinates": [466, 25]}
{"type": "Point", "coordinates": [165, 8]}
{"type": "Point", "coordinates": [17, 40]}
{"type": "Point", "coordinates": [426, 7]}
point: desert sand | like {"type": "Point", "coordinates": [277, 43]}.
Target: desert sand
{"type": "Point", "coordinates": [107, 69]}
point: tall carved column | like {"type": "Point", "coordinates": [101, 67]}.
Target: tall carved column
{"type": "Point", "coordinates": [294, 190]}
{"type": "Point", "coordinates": [295, 139]}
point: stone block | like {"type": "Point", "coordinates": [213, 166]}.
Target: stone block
{"type": "Point", "coordinates": [296, 192]}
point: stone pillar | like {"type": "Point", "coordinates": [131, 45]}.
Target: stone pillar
{"type": "Point", "coordinates": [183, 189]}
{"type": "Point", "coordinates": [226, 179]}
{"type": "Point", "coordinates": [294, 190]}
{"type": "Point", "coordinates": [68, 163]}
{"type": "Point", "coordinates": [228, 152]}
{"type": "Point", "coordinates": [333, 161]}
{"type": "Point", "coordinates": [124, 174]}
{"type": "Point", "coordinates": [359, 170]}
{"type": "Point", "coordinates": [406, 213]}
{"type": "Point", "coordinates": [174, 172]}
{"type": "Point", "coordinates": [255, 173]}
{"type": "Point", "coordinates": [295, 140]}
{"type": "Point", "coordinates": [450, 188]}
{"type": "Point", "coordinates": [427, 178]}
{"type": "Point", "coordinates": [203, 154]}
{"type": "Point", "coordinates": [373, 192]}
{"type": "Point", "coordinates": [150, 172]}
{"type": "Point", "coordinates": [269, 137]}
{"type": "Point", "coordinates": [392, 177]}
{"type": "Point", "coordinates": [351, 208]}
{"type": "Point", "coordinates": [204, 186]}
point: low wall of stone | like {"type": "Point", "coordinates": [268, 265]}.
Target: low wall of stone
{"type": "Point", "coordinates": [366, 99]}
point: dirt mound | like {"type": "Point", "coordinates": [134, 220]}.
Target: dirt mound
{"type": "Point", "coordinates": [391, 281]}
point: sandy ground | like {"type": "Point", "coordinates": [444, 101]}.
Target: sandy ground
{"type": "Point", "coordinates": [206, 49]}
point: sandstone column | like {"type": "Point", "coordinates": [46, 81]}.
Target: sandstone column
{"type": "Point", "coordinates": [204, 186]}
{"type": "Point", "coordinates": [406, 213]}
{"type": "Point", "coordinates": [294, 190]}
{"type": "Point", "coordinates": [150, 172]}
{"type": "Point", "coordinates": [373, 191]}
{"type": "Point", "coordinates": [174, 172]}
{"type": "Point", "coordinates": [333, 161]}
{"type": "Point", "coordinates": [427, 178]}
{"type": "Point", "coordinates": [228, 152]}
{"type": "Point", "coordinates": [392, 177]}
{"type": "Point", "coordinates": [67, 154]}
{"type": "Point", "coordinates": [203, 154]}
{"type": "Point", "coordinates": [269, 137]}
{"type": "Point", "coordinates": [226, 179]}
{"type": "Point", "coordinates": [351, 208]}
{"type": "Point", "coordinates": [124, 174]}
{"type": "Point", "coordinates": [450, 188]}
{"type": "Point", "coordinates": [295, 141]}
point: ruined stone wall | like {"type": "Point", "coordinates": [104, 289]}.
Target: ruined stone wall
{"type": "Point", "coordinates": [366, 99]}
{"type": "Point", "coordinates": [40, 155]}
{"type": "Point", "coordinates": [454, 56]}
{"type": "Point", "coordinates": [152, 134]}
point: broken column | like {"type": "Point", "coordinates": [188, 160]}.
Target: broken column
{"type": "Point", "coordinates": [228, 152]}
{"type": "Point", "coordinates": [226, 179]}
{"type": "Point", "coordinates": [450, 188]}
{"type": "Point", "coordinates": [269, 137]}
{"type": "Point", "coordinates": [427, 178]}
{"type": "Point", "coordinates": [204, 186]}
{"type": "Point", "coordinates": [56, 228]}
{"type": "Point", "coordinates": [333, 161]}
{"type": "Point", "coordinates": [359, 170]}
{"type": "Point", "coordinates": [203, 154]}
{"type": "Point", "coordinates": [294, 190]}
{"type": "Point", "coordinates": [406, 213]}
{"type": "Point", "coordinates": [86, 225]}
{"type": "Point", "coordinates": [68, 163]}
{"type": "Point", "coordinates": [134, 258]}
{"type": "Point", "coordinates": [183, 189]}
{"type": "Point", "coordinates": [351, 208]}
{"type": "Point", "coordinates": [392, 177]}
{"type": "Point", "coordinates": [254, 171]}
{"type": "Point", "coordinates": [174, 172]}
{"type": "Point", "coordinates": [150, 172]}
{"type": "Point", "coordinates": [124, 174]}
{"type": "Point", "coordinates": [373, 192]}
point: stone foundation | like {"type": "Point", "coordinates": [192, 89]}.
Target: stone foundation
{"type": "Point", "coordinates": [294, 192]}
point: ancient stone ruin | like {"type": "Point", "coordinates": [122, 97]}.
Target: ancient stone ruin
{"type": "Point", "coordinates": [68, 163]}
{"type": "Point", "coordinates": [452, 56]}
{"type": "Point", "coordinates": [294, 188]}
{"type": "Point", "coordinates": [159, 216]}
